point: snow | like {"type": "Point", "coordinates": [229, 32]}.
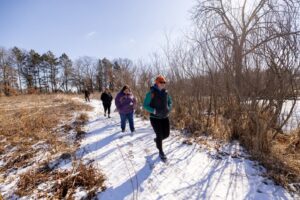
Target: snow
{"type": "Point", "coordinates": [80, 194]}
{"type": "Point", "coordinates": [8, 189]}
{"type": "Point", "coordinates": [134, 171]}
{"type": "Point", "coordinates": [295, 116]}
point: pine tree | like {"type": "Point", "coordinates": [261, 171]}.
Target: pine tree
{"type": "Point", "coordinates": [30, 69]}
{"type": "Point", "coordinates": [66, 65]}
{"type": "Point", "coordinates": [53, 66]}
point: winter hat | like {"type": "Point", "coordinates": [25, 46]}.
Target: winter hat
{"type": "Point", "coordinates": [160, 79]}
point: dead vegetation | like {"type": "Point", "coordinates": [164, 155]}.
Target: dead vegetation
{"type": "Point", "coordinates": [283, 162]}
{"type": "Point", "coordinates": [62, 184]}
{"type": "Point", "coordinates": [95, 95]}
{"type": "Point", "coordinates": [27, 120]}
{"type": "Point", "coordinates": [39, 127]}
{"type": "Point", "coordinates": [78, 123]}
{"type": "Point", "coordinates": [85, 177]}
{"type": "Point", "coordinates": [280, 155]}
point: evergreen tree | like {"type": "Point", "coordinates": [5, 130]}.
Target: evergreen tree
{"type": "Point", "coordinates": [53, 67]}
{"type": "Point", "coordinates": [67, 70]}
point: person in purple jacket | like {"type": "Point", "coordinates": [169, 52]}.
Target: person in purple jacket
{"type": "Point", "coordinates": [126, 103]}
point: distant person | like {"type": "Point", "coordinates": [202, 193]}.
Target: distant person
{"type": "Point", "coordinates": [159, 104]}
{"type": "Point", "coordinates": [126, 103]}
{"type": "Point", "coordinates": [106, 99]}
{"type": "Point", "coordinates": [87, 95]}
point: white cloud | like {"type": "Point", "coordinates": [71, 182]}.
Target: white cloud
{"type": "Point", "coordinates": [132, 41]}
{"type": "Point", "coordinates": [90, 34]}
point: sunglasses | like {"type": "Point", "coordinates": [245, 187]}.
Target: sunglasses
{"type": "Point", "coordinates": [162, 82]}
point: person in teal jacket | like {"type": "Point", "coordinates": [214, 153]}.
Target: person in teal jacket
{"type": "Point", "coordinates": [159, 104]}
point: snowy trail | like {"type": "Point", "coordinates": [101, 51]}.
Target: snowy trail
{"type": "Point", "coordinates": [134, 170]}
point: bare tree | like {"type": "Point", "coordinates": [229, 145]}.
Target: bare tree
{"type": "Point", "coordinates": [8, 80]}
{"type": "Point", "coordinates": [242, 43]}
{"type": "Point", "coordinates": [19, 60]}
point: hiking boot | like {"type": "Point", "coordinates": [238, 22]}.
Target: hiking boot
{"type": "Point", "coordinates": [123, 130]}
{"type": "Point", "coordinates": [108, 116]}
{"type": "Point", "coordinates": [162, 156]}
{"type": "Point", "coordinates": [104, 114]}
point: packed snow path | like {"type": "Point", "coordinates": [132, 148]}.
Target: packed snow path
{"type": "Point", "coordinates": [134, 171]}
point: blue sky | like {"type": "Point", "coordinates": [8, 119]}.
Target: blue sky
{"type": "Point", "coordinates": [97, 28]}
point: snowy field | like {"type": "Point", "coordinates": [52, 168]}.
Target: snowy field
{"type": "Point", "coordinates": [134, 170]}
{"type": "Point", "coordinates": [295, 117]}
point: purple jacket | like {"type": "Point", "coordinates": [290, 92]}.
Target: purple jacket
{"type": "Point", "coordinates": [125, 103]}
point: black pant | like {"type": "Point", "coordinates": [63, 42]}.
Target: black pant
{"type": "Point", "coordinates": [87, 98]}
{"type": "Point", "coordinates": [106, 107]}
{"type": "Point", "coordinates": [161, 128]}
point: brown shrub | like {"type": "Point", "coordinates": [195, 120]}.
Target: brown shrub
{"type": "Point", "coordinates": [79, 132]}
{"type": "Point", "coordinates": [63, 183]}
{"type": "Point", "coordinates": [67, 127]}
{"type": "Point", "coordinates": [230, 121]}
{"type": "Point", "coordinates": [82, 118]}
{"type": "Point", "coordinates": [19, 159]}
{"type": "Point", "coordinates": [84, 176]}
{"type": "Point", "coordinates": [29, 181]}
{"type": "Point", "coordinates": [94, 95]}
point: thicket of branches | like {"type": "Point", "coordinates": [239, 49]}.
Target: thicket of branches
{"type": "Point", "coordinates": [236, 76]}
{"type": "Point", "coordinates": [245, 56]}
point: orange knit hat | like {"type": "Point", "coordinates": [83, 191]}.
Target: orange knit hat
{"type": "Point", "coordinates": [160, 79]}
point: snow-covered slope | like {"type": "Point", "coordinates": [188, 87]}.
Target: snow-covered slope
{"type": "Point", "coordinates": [134, 170]}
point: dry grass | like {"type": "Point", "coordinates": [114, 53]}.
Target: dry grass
{"type": "Point", "coordinates": [30, 180]}
{"type": "Point", "coordinates": [78, 123]}
{"type": "Point", "coordinates": [82, 118]}
{"type": "Point", "coordinates": [280, 156]}
{"type": "Point", "coordinates": [26, 120]}
{"type": "Point", "coordinates": [94, 95]}
{"type": "Point", "coordinates": [283, 161]}
{"type": "Point", "coordinates": [83, 176]}
{"type": "Point", "coordinates": [31, 119]}
{"type": "Point", "coordinates": [63, 183]}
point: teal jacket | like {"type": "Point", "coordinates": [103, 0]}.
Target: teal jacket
{"type": "Point", "coordinates": [149, 109]}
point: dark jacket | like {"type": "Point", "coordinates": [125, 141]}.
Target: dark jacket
{"type": "Point", "coordinates": [106, 98]}
{"type": "Point", "coordinates": [86, 93]}
{"type": "Point", "coordinates": [125, 103]}
{"type": "Point", "coordinates": [158, 100]}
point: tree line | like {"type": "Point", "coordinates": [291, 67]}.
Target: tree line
{"type": "Point", "coordinates": [24, 71]}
